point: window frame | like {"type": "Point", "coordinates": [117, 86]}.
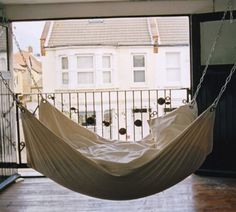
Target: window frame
{"type": "Point", "coordinates": [64, 70]}
{"type": "Point", "coordinates": [134, 69]}
{"type": "Point", "coordinates": [175, 82]}
{"type": "Point", "coordinates": [86, 70]}
{"type": "Point", "coordinates": [110, 69]}
{"type": "Point", "coordinates": [62, 57]}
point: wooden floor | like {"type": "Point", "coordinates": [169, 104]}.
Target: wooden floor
{"type": "Point", "coordinates": [193, 194]}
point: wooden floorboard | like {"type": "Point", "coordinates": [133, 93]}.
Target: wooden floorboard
{"type": "Point", "coordinates": [191, 195]}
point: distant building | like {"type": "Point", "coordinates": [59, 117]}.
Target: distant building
{"type": "Point", "coordinates": [23, 83]}
{"type": "Point", "coordinates": [3, 50]}
{"type": "Point", "coordinates": [127, 53]}
{"type": "Point", "coordinates": [107, 55]}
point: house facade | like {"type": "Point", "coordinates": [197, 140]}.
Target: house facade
{"type": "Point", "coordinates": [133, 55]}
{"type": "Point", "coordinates": [23, 82]}
{"type": "Point", "coordinates": [3, 50]}
{"type": "Point", "coordinates": [115, 54]}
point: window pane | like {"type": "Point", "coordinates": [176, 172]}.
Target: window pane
{"type": "Point", "coordinates": [106, 62]}
{"type": "Point", "coordinates": [173, 60]}
{"type": "Point", "coordinates": [139, 76]}
{"type": "Point", "coordinates": [64, 62]}
{"type": "Point", "coordinates": [138, 61]}
{"type": "Point", "coordinates": [85, 62]}
{"type": "Point", "coordinates": [225, 49]}
{"type": "Point", "coordinates": [106, 77]}
{"type": "Point", "coordinates": [85, 78]}
{"type": "Point", "coordinates": [65, 78]}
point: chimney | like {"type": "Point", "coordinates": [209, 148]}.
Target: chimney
{"type": "Point", "coordinates": [154, 33]}
{"type": "Point", "coordinates": [155, 45]}
{"type": "Point", "coordinates": [44, 36]}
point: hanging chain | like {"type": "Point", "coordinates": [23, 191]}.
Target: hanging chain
{"type": "Point", "coordinates": [19, 104]}
{"type": "Point", "coordinates": [216, 101]}
{"type": "Point", "coordinates": [10, 90]}
{"type": "Point", "coordinates": [219, 32]}
{"type": "Point", "coordinates": [26, 64]}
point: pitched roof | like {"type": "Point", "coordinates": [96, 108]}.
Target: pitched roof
{"type": "Point", "coordinates": [33, 63]}
{"type": "Point", "coordinates": [118, 31]}
{"type": "Point", "coordinates": [45, 31]}
{"type": "Point", "coordinates": [173, 31]}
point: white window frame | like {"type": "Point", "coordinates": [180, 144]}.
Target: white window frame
{"type": "Point", "coordinates": [174, 82]}
{"type": "Point", "coordinates": [62, 62]}
{"type": "Point", "coordinates": [139, 68]}
{"type": "Point", "coordinates": [64, 70]}
{"type": "Point", "coordinates": [86, 70]}
{"type": "Point", "coordinates": [110, 69]}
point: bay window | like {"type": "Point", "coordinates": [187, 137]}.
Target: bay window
{"type": "Point", "coordinates": [85, 69]}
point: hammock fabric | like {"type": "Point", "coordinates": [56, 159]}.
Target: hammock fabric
{"type": "Point", "coordinates": [84, 162]}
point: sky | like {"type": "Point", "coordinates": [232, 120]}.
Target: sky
{"type": "Point", "coordinates": [28, 34]}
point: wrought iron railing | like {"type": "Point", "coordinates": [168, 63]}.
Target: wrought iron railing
{"type": "Point", "coordinates": [8, 151]}
{"type": "Point", "coordinates": [120, 114]}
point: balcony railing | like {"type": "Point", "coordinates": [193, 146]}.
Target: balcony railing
{"type": "Point", "coordinates": [114, 115]}
{"type": "Point", "coordinates": [7, 135]}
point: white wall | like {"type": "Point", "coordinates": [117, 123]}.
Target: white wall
{"type": "Point", "coordinates": [49, 71]}
{"type": "Point", "coordinates": [125, 70]}
{"type": "Point", "coordinates": [122, 71]}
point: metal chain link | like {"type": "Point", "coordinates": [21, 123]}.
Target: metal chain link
{"type": "Point", "coordinates": [219, 32]}
{"type": "Point", "coordinates": [4, 21]}
{"type": "Point", "coordinates": [19, 104]}
{"type": "Point", "coordinates": [9, 89]}
{"type": "Point", "coordinates": [216, 101]}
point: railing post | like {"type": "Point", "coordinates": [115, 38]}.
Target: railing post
{"type": "Point", "coordinates": [130, 101]}
{"type": "Point", "coordinates": [18, 131]}
{"type": "Point", "coordinates": [189, 93]}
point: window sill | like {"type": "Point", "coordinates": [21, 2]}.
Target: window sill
{"type": "Point", "coordinates": [139, 86]}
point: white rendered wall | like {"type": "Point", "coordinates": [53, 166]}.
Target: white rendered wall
{"type": "Point", "coordinates": [122, 72]}
{"type": "Point", "coordinates": [49, 73]}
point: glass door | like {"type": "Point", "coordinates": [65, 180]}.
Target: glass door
{"type": "Point", "coordinates": [204, 29]}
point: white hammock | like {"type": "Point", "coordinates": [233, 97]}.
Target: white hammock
{"type": "Point", "coordinates": [84, 162]}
